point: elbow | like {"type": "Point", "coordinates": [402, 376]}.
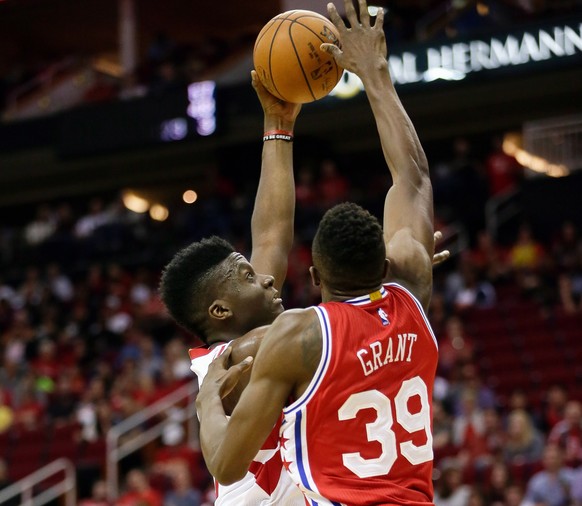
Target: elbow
{"type": "Point", "coordinates": [228, 473]}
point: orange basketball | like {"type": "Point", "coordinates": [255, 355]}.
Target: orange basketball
{"type": "Point", "coordinates": [288, 60]}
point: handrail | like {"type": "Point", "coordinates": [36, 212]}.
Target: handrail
{"type": "Point", "coordinates": [40, 79]}
{"type": "Point", "coordinates": [115, 451]}
{"type": "Point", "coordinates": [24, 487]}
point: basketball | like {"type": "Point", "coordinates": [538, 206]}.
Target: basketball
{"type": "Point", "coordinates": [288, 59]}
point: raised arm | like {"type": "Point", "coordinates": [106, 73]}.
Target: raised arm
{"type": "Point", "coordinates": [273, 215]}
{"type": "Point", "coordinates": [408, 210]}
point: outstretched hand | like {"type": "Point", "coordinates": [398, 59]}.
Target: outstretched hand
{"type": "Point", "coordinates": [222, 379]}
{"type": "Point", "coordinates": [363, 45]}
{"type": "Point", "coordinates": [273, 106]}
{"type": "Point", "coordinates": [441, 256]}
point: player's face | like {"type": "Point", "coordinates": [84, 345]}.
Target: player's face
{"type": "Point", "coordinates": [253, 299]}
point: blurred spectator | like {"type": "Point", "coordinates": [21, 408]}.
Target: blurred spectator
{"type": "Point", "coordinates": [469, 430]}
{"type": "Point", "coordinates": [570, 286]}
{"type": "Point", "coordinates": [87, 413]}
{"type": "Point", "coordinates": [139, 492]}
{"type": "Point", "coordinates": [183, 494]}
{"type": "Point", "coordinates": [552, 485]}
{"type": "Point", "coordinates": [176, 453]}
{"type": "Point", "coordinates": [513, 495]}
{"type": "Point", "coordinates": [526, 257]}
{"type": "Point", "coordinates": [503, 171]}
{"type": "Point", "coordinates": [567, 433]}
{"type": "Point", "coordinates": [333, 187]}
{"type": "Point", "coordinates": [494, 436]}
{"type": "Point", "coordinates": [59, 283]}
{"type": "Point", "coordinates": [456, 348]}
{"type": "Point", "coordinates": [489, 258]}
{"type": "Point", "coordinates": [464, 290]}
{"type": "Point", "coordinates": [496, 486]}
{"type": "Point", "coordinates": [460, 188]}
{"type": "Point", "coordinates": [6, 413]}
{"type": "Point", "coordinates": [442, 431]}
{"type": "Point", "coordinates": [96, 217]}
{"type": "Point", "coordinates": [566, 248]}
{"type": "Point", "coordinates": [98, 496]}
{"type": "Point", "coordinates": [524, 444]}
{"type": "Point", "coordinates": [63, 403]}
{"type": "Point", "coordinates": [553, 406]}
{"type": "Point", "coordinates": [41, 228]}
{"type": "Point", "coordinates": [47, 364]}
{"type": "Point", "coordinates": [576, 491]}
{"type": "Point", "coordinates": [29, 410]}
{"type": "Point", "coordinates": [449, 489]}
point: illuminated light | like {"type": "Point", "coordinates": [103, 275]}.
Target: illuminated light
{"type": "Point", "coordinates": [482, 9]}
{"type": "Point", "coordinates": [174, 129]}
{"type": "Point", "coordinates": [189, 196]}
{"type": "Point", "coordinates": [134, 203]}
{"type": "Point", "coordinates": [348, 86]}
{"type": "Point", "coordinates": [511, 147]}
{"type": "Point", "coordinates": [159, 212]}
{"type": "Point", "coordinates": [441, 73]}
{"type": "Point", "coordinates": [44, 102]}
{"type": "Point", "coordinates": [202, 106]}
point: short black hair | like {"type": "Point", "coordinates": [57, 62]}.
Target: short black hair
{"type": "Point", "coordinates": [348, 248]}
{"type": "Point", "coordinates": [185, 285]}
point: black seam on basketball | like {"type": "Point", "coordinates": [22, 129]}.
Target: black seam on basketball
{"type": "Point", "coordinates": [337, 72]}
{"type": "Point", "coordinates": [265, 30]}
{"type": "Point", "coordinates": [299, 59]}
{"type": "Point", "coordinates": [271, 52]}
{"type": "Point", "coordinates": [327, 41]}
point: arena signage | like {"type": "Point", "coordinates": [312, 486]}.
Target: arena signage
{"type": "Point", "coordinates": [458, 60]}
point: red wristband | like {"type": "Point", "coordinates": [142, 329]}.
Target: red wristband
{"type": "Point", "coordinates": [278, 135]}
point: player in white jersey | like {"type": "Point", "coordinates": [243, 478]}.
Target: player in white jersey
{"type": "Point", "coordinates": [220, 316]}
{"type": "Point", "coordinates": [266, 483]}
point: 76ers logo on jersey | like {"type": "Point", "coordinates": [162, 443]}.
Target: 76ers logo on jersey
{"type": "Point", "coordinates": [383, 316]}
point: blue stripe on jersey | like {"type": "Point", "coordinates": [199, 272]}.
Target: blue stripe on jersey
{"type": "Point", "coordinates": [299, 450]}
{"type": "Point", "coordinates": [325, 350]}
{"type": "Point", "coordinates": [420, 309]}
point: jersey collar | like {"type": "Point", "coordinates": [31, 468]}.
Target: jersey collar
{"type": "Point", "coordinates": [367, 299]}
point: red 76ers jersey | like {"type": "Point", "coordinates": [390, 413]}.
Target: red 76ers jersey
{"type": "Point", "coordinates": [361, 434]}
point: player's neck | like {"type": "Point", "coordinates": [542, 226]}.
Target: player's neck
{"type": "Point", "coordinates": [221, 338]}
{"type": "Point", "coordinates": [338, 295]}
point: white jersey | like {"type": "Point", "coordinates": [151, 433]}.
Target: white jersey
{"type": "Point", "coordinates": [266, 483]}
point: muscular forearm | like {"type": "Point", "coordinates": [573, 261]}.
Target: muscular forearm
{"type": "Point", "coordinates": [275, 199]}
{"type": "Point", "coordinates": [213, 429]}
{"type": "Point", "coordinates": [273, 215]}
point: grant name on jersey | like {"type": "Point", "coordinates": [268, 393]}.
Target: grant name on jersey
{"type": "Point", "coordinates": [378, 354]}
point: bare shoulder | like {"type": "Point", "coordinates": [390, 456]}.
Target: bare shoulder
{"type": "Point", "coordinates": [247, 345]}
{"type": "Point", "coordinates": [293, 345]}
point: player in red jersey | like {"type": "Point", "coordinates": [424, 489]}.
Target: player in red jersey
{"type": "Point", "coordinates": [354, 376]}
